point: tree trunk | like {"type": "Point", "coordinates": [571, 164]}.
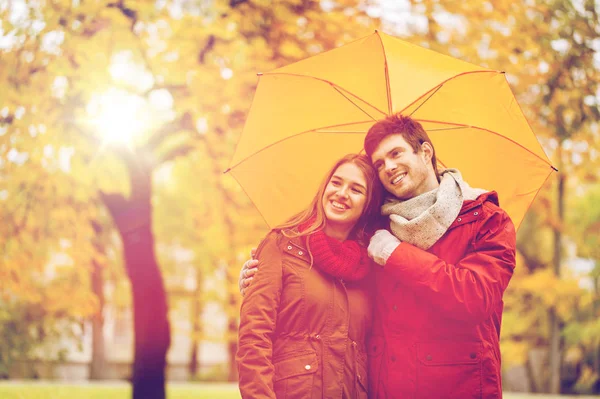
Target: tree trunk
{"type": "Point", "coordinates": [232, 323]}
{"type": "Point", "coordinates": [193, 366]}
{"type": "Point", "coordinates": [597, 350]}
{"type": "Point", "coordinates": [232, 333]}
{"type": "Point", "coordinates": [151, 326]}
{"type": "Point", "coordinates": [529, 368]}
{"type": "Point", "coordinates": [133, 217]}
{"type": "Point", "coordinates": [97, 364]}
{"type": "Point", "coordinates": [554, 354]}
{"type": "Point", "coordinates": [196, 327]}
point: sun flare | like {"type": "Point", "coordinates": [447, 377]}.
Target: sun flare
{"type": "Point", "coordinates": [118, 116]}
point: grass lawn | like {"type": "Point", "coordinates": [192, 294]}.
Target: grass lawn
{"type": "Point", "coordinates": [119, 390]}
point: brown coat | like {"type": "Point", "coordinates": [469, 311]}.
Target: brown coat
{"type": "Point", "coordinates": [302, 332]}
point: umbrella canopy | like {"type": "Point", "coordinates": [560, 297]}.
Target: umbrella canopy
{"type": "Point", "coordinates": [306, 115]}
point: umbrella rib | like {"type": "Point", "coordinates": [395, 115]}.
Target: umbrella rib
{"type": "Point", "coordinates": [533, 200]}
{"type": "Point", "coordinates": [528, 124]}
{"type": "Point", "coordinates": [450, 128]}
{"type": "Point", "coordinates": [250, 198]}
{"type": "Point", "coordinates": [529, 192]}
{"type": "Point", "coordinates": [437, 87]}
{"type": "Point", "coordinates": [427, 99]}
{"type": "Point", "coordinates": [387, 75]}
{"type": "Point", "coordinates": [442, 163]}
{"type": "Point", "coordinates": [337, 87]}
{"type": "Point", "coordinates": [340, 131]}
{"type": "Point", "coordinates": [489, 131]}
{"type": "Point", "coordinates": [353, 103]}
{"type": "Point", "coordinates": [292, 136]}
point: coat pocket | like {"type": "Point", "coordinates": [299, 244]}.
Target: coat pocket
{"type": "Point", "coordinates": [449, 370]}
{"type": "Point", "coordinates": [294, 374]}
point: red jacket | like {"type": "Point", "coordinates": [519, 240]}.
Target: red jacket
{"type": "Point", "coordinates": [438, 312]}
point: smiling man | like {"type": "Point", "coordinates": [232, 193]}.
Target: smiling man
{"type": "Point", "coordinates": [444, 268]}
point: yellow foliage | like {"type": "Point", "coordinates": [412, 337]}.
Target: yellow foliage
{"type": "Point", "coordinates": [514, 353]}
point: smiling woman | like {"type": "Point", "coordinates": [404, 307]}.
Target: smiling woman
{"type": "Point", "coordinates": [118, 116]}
{"type": "Point", "coordinates": [321, 248]}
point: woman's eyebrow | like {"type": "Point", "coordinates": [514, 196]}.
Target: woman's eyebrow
{"type": "Point", "coordinates": [354, 183]}
{"type": "Point", "coordinates": [359, 185]}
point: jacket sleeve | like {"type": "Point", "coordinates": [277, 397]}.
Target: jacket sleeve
{"type": "Point", "coordinates": [470, 289]}
{"type": "Point", "coordinates": [258, 317]}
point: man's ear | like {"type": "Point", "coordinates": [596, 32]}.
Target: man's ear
{"type": "Point", "coordinates": [427, 151]}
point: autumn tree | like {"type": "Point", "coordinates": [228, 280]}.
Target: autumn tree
{"type": "Point", "coordinates": [124, 87]}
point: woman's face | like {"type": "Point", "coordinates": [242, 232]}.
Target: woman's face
{"type": "Point", "coordinates": [345, 197]}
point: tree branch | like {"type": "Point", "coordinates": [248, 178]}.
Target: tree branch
{"type": "Point", "coordinates": [115, 203]}
{"type": "Point", "coordinates": [175, 90]}
{"type": "Point", "coordinates": [129, 13]}
{"type": "Point", "coordinates": [210, 43]}
{"type": "Point", "coordinates": [185, 122]}
{"type": "Point", "coordinates": [531, 262]}
{"type": "Point", "coordinates": [176, 152]}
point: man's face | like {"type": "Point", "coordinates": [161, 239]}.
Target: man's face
{"type": "Point", "coordinates": [404, 173]}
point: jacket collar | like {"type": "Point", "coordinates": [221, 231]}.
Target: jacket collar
{"type": "Point", "coordinates": [468, 205]}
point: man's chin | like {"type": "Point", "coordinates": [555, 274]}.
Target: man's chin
{"type": "Point", "coordinates": [401, 195]}
{"type": "Point", "coordinates": [391, 190]}
{"type": "Point", "coordinates": [396, 192]}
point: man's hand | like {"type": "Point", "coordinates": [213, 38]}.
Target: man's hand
{"type": "Point", "coordinates": [249, 268]}
{"type": "Point", "coordinates": [382, 244]}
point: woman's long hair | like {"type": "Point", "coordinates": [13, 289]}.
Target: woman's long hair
{"type": "Point", "coordinates": [313, 217]}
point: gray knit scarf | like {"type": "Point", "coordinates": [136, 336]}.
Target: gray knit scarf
{"type": "Point", "coordinates": [424, 219]}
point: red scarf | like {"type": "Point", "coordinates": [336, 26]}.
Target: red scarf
{"type": "Point", "coordinates": [346, 260]}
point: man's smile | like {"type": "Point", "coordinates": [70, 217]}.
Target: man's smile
{"type": "Point", "coordinates": [398, 178]}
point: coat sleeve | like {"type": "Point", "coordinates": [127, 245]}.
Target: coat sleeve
{"type": "Point", "coordinates": [258, 317]}
{"type": "Point", "coordinates": [471, 289]}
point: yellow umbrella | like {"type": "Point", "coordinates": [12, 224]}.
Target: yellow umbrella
{"type": "Point", "coordinates": [310, 113]}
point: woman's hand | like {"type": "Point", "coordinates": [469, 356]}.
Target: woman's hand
{"type": "Point", "coordinates": [247, 273]}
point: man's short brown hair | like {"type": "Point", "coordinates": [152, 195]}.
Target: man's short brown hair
{"type": "Point", "coordinates": [408, 128]}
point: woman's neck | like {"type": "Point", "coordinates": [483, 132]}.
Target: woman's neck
{"type": "Point", "coordinates": [337, 232]}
